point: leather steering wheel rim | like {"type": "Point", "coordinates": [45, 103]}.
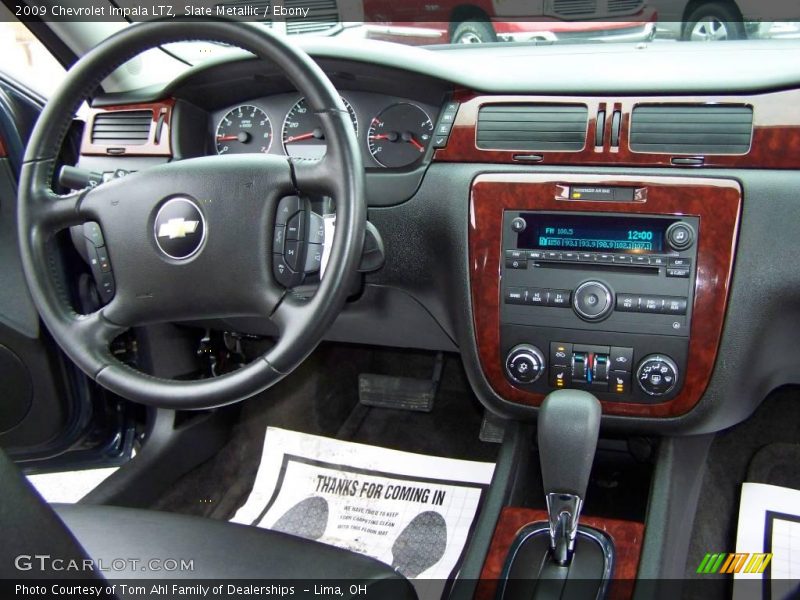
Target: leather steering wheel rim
{"type": "Point", "coordinates": [153, 288]}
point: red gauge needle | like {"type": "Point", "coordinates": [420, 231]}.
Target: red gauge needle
{"type": "Point", "coordinates": [416, 144]}
{"type": "Point", "coordinates": [297, 138]}
{"type": "Point", "coordinates": [380, 136]}
{"type": "Point", "coordinates": [227, 138]}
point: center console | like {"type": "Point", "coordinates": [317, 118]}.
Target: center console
{"type": "Point", "coordinates": [614, 287]}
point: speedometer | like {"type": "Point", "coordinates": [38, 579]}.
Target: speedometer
{"type": "Point", "coordinates": [244, 129]}
{"type": "Point", "coordinates": [303, 136]}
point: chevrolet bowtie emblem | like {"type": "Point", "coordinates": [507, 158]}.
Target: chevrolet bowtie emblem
{"type": "Point", "coordinates": [177, 228]}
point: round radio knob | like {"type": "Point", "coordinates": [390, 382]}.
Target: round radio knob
{"type": "Point", "coordinates": [680, 236]}
{"type": "Point", "coordinates": [593, 301]}
{"type": "Point", "coordinates": [525, 364]}
{"type": "Point", "coordinates": [657, 375]}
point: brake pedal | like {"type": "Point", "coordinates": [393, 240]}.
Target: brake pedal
{"type": "Point", "coordinates": [400, 393]}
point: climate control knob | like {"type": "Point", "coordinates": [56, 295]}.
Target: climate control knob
{"type": "Point", "coordinates": [657, 375]}
{"type": "Point", "coordinates": [525, 364]}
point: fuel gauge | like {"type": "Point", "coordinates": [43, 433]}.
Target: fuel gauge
{"type": "Point", "coordinates": [399, 135]}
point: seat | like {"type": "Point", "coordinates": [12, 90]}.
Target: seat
{"type": "Point", "coordinates": [216, 549]}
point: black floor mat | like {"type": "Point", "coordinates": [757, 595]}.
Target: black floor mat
{"type": "Point", "coordinates": [321, 398]}
{"type": "Point", "coordinates": [735, 457]}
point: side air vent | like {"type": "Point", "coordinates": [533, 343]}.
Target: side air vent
{"type": "Point", "coordinates": [535, 127]}
{"type": "Point", "coordinates": [122, 128]}
{"type": "Point", "coordinates": [687, 129]}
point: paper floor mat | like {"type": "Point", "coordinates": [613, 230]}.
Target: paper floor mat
{"type": "Point", "coordinates": [767, 563]}
{"type": "Point", "coordinates": [411, 511]}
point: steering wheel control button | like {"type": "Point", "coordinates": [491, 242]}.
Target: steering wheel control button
{"type": "Point", "coordinates": [657, 375]}
{"type": "Point", "coordinates": [313, 258]}
{"type": "Point", "coordinates": [278, 238]}
{"type": "Point", "coordinates": [293, 254]}
{"type": "Point", "coordinates": [519, 224]}
{"type": "Point", "coordinates": [106, 287]}
{"type": "Point", "coordinates": [287, 208]}
{"type": "Point", "coordinates": [102, 260]}
{"type": "Point", "coordinates": [93, 233]}
{"type": "Point", "coordinates": [525, 364]}
{"type": "Point", "coordinates": [593, 301]}
{"type": "Point", "coordinates": [295, 226]}
{"type": "Point", "coordinates": [179, 229]}
{"type": "Point", "coordinates": [680, 236]}
{"type": "Point", "coordinates": [284, 275]}
{"type": "Point", "coordinates": [316, 229]}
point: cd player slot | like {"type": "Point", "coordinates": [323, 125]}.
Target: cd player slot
{"type": "Point", "coordinates": [630, 270]}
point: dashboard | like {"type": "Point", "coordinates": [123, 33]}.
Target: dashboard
{"type": "Point", "coordinates": [456, 165]}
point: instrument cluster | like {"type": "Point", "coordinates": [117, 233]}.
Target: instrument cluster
{"type": "Point", "coordinates": [392, 132]}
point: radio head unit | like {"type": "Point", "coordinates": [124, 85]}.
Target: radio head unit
{"type": "Point", "coordinates": [616, 290]}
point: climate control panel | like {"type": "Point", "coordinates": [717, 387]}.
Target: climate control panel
{"type": "Point", "coordinates": [613, 373]}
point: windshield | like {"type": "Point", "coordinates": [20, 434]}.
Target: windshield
{"type": "Point", "coordinates": [530, 22]}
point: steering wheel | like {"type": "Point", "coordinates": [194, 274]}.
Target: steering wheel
{"type": "Point", "coordinates": [231, 203]}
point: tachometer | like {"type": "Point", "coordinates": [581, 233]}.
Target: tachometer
{"type": "Point", "coordinates": [399, 135]}
{"type": "Point", "coordinates": [302, 131]}
{"type": "Point", "coordinates": [244, 129]}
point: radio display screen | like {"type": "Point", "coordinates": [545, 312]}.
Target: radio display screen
{"type": "Point", "coordinates": [592, 233]}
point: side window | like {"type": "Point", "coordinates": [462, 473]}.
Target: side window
{"type": "Point", "coordinates": [25, 59]}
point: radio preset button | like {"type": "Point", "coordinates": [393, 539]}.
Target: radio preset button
{"type": "Point", "coordinates": [641, 260]}
{"type": "Point", "coordinates": [658, 261]}
{"type": "Point", "coordinates": [605, 258]}
{"type": "Point", "coordinates": [552, 255]}
{"type": "Point", "coordinates": [592, 301]}
{"type": "Point", "coordinates": [623, 259]}
{"type": "Point", "coordinates": [569, 256]}
{"type": "Point", "coordinates": [586, 256]}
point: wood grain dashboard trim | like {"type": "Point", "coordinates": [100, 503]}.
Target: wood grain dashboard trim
{"type": "Point", "coordinates": [626, 535]}
{"type": "Point", "coordinates": [716, 201]}
{"type": "Point", "coordinates": [775, 143]}
{"type": "Point", "coordinates": [159, 128]}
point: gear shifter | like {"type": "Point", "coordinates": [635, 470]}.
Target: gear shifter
{"type": "Point", "coordinates": [569, 422]}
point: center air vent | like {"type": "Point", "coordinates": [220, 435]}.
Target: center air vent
{"type": "Point", "coordinates": [688, 129]}
{"type": "Point", "coordinates": [122, 128]}
{"type": "Point", "coordinates": [534, 127]}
